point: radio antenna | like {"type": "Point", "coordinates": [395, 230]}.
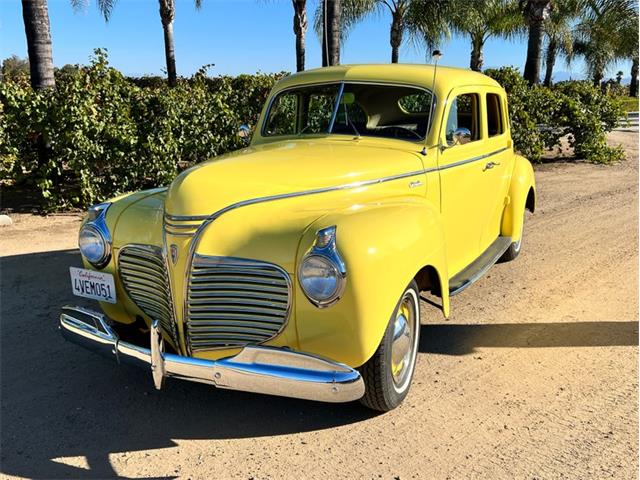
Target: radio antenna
{"type": "Point", "coordinates": [436, 56]}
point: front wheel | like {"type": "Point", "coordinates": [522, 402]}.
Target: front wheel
{"type": "Point", "coordinates": [388, 373]}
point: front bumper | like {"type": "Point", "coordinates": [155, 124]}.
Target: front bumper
{"type": "Point", "coordinates": [258, 369]}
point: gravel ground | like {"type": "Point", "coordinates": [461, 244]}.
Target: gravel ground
{"type": "Point", "coordinates": [535, 375]}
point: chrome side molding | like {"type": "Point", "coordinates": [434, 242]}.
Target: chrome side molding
{"type": "Point", "coordinates": [267, 370]}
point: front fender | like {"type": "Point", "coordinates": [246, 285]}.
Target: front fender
{"type": "Point", "coordinates": [383, 246]}
{"type": "Point", "coordinates": [522, 194]}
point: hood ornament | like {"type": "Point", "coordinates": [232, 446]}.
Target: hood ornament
{"type": "Point", "coordinates": [173, 250]}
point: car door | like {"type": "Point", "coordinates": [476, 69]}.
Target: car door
{"type": "Point", "coordinates": [463, 201]}
{"type": "Point", "coordinates": [496, 166]}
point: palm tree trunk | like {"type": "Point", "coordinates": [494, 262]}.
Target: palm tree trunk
{"type": "Point", "coordinates": [300, 29]}
{"type": "Point", "coordinates": [397, 32]}
{"type": "Point", "coordinates": [633, 87]}
{"type": "Point", "coordinates": [477, 58]}
{"type": "Point", "coordinates": [36, 25]}
{"type": "Point", "coordinates": [535, 13]}
{"type": "Point", "coordinates": [552, 49]}
{"type": "Point", "coordinates": [534, 52]}
{"type": "Point", "coordinates": [167, 15]}
{"type": "Point", "coordinates": [598, 75]}
{"type": "Point", "coordinates": [331, 32]}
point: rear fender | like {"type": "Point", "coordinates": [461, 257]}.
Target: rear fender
{"type": "Point", "coordinates": [522, 194]}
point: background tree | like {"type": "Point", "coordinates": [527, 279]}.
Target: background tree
{"type": "Point", "coordinates": [300, 30]}
{"type": "Point", "coordinates": [331, 31]}
{"type": "Point", "coordinates": [36, 25]}
{"type": "Point", "coordinates": [167, 16]}
{"type": "Point", "coordinates": [14, 67]}
{"type": "Point", "coordinates": [422, 19]}
{"type": "Point", "coordinates": [428, 22]}
{"type": "Point", "coordinates": [353, 11]}
{"type": "Point", "coordinates": [629, 47]}
{"type": "Point", "coordinates": [481, 19]}
{"type": "Point", "coordinates": [603, 33]}
{"type": "Point", "coordinates": [558, 31]}
{"type": "Point", "coordinates": [535, 14]}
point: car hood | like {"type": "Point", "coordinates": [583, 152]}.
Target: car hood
{"type": "Point", "coordinates": [285, 167]}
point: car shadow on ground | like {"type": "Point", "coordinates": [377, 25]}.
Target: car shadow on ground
{"type": "Point", "coordinates": [460, 339]}
{"type": "Point", "coordinates": [60, 401]}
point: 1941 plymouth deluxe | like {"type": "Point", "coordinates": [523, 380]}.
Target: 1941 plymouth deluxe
{"type": "Point", "coordinates": [295, 266]}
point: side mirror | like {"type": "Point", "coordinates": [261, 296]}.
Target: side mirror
{"type": "Point", "coordinates": [244, 132]}
{"type": "Point", "coordinates": [460, 136]}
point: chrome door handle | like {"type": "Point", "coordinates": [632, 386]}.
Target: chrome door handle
{"type": "Point", "coordinates": [490, 165]}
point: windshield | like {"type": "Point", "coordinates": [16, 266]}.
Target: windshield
{"type": "Point", "coordinates": [389, 111]}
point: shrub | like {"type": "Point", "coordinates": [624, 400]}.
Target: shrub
{"type": "Point", "coordinates": [99, 133]}
{"type": "Point", "coordinates": [541, 116]}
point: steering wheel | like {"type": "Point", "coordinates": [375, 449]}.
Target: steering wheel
{"type": "Point", "coordinates": [403, 129]}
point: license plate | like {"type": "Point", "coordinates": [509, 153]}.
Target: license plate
{"type": "Point", "coordinates": [95, 285]}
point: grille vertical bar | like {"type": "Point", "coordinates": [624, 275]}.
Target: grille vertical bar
{"type": "Point", "coordinates": [235, 302]}
{"type": "Point", "coordinates": [144, 277]}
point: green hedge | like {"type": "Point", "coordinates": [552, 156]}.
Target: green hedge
{"type": "Point", "coordinates": [99, 133]}
{"type": "Point", "coordinates": [541, 116]}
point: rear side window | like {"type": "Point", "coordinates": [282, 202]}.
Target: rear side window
{"type": "Point", "coordinates": [416, 103]}
{"type": "Point", "coordinates": [495, 119]}
{"type": "Point", "coordinates": [464, 113]}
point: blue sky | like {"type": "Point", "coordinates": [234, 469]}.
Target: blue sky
{"type": "Point", "coordinates": [238, 36]}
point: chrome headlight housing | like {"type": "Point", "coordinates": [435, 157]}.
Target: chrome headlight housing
{"type": "Point", "coordinates": [322, 273]}
{"type": "Point", "coordinates": [94, 239]}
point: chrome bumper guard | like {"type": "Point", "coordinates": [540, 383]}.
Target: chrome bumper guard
{"type": "Point", "coordinates": [268, 370]}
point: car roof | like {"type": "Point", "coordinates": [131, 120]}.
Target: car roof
{"type": "Point", "coordinates": [420, 75]}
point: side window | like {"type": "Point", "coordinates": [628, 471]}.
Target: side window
{"type": "Point", "coordinates": [495, 122]}
{"type": "Point", "coordinates": [464, 113]}
{"type": "Point", "coordinates": [282, 117]}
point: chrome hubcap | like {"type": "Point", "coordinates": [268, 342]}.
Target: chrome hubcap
{"type": "Point", "coordinates": [402, 346]}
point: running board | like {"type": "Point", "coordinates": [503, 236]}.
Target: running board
{"type": "Point", "coordinates": [479, 266]}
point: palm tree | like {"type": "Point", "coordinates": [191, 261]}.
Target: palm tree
{"type": "Point", "coordinates": [558, 31]}
{"type": "Point", "coordinates": [482, 19]}
{"type": "Point", "coordinates": [331, 29]}
{"type": "Point", "coordinates": [629, 48]}
{"type": "Point", "coordinates": [535, 14]}
{"type": "Point", "coordinates": [428, 21]}
{"type": "Point", "coordinates": [167, 16]}
{"type": "Point", "coordinates": [36, 25]}
{"type": "Point", "coordinates": [300, 30]}
{"type": "Point", "coordinates": [417, 17]}
{"type": "Point", "coordinates": [355, 10]}
{"type": "Point", "coordinates": [602, 34]}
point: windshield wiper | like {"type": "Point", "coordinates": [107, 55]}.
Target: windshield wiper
{"type": "Point", "coordinates": [304, 129]}
{"type": "Point", "coordinates": [349, 122]}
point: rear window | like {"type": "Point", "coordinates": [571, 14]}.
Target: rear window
{"type": "Point", "coordinates": [495, 119]}
{"type": "Point", "coordinates": [416, 103]}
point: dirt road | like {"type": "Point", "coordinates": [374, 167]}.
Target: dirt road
{"type": "Point", "coordinates": [535, 375]}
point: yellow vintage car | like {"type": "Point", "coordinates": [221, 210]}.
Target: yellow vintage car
{"type": "Point", "coordinates": [295, 266]}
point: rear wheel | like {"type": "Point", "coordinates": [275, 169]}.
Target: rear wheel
{"type": "Point", "coordinates": [388, 373]}
{"type": "Point", "coordinates": [514, 249]}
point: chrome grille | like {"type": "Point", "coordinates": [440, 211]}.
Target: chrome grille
{"type": "Point", "coordinates": [182, 226]}
{"type": "Point", "coordinates": [144, 276]}
{"type": "Point", "coordinates": [235, 302]}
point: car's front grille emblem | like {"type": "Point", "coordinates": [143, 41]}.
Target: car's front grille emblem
{"type": "Point", "coordinates": [173, 249]}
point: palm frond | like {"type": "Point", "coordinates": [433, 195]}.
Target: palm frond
{"type": "Point", "coordinates": [106, 7]}
{"type": "Point", "coordinates": [353, 11]}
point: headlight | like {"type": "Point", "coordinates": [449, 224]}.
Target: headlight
{"type": "Point", "coordinates": [322, 273]}
{"type": "Point", "coordinates": [94, 240]}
